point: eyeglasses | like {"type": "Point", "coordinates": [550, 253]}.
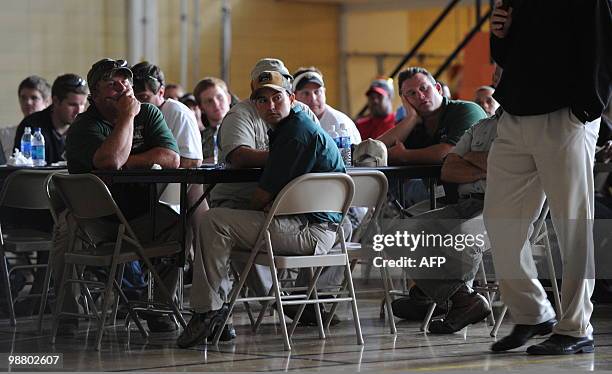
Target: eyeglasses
{"type": "Point", "coordinates": [109, 63]}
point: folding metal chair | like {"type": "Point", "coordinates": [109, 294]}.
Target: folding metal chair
{"type": "Point", "coordinates": [309, 193]}
{"type": "Point", "coordinates": [88, 199]}
{"type": "Point", "coordinates": [23, 189]}
{"type": "Point", "coordinates": [371, 188]}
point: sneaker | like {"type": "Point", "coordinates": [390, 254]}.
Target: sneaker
{"type": "Point", "coordinates": [200, 327]}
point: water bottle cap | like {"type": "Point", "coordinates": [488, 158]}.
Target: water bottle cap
{"type": "Point", "coordinates": [36, 129]}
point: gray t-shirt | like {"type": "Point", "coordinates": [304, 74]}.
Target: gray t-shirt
{"type": "Point", "coordinates": [242, 127]}
{"type": "Point", "coordinates": [477, 138]}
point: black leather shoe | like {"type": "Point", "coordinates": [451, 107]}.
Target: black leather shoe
{"type": "Point", "coordinates": [467, 308]}
{"type": "Point", "coordinates": [521, 334]}
{"type": "Point", "coordinates": [562, 345]}
{"type": "Point", "coordinates": [309, 317]}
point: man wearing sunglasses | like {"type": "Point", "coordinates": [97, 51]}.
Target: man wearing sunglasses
{"type": "Point", "coordinates": [69, 95]}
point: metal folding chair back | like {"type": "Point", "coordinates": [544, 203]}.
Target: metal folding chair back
{"type": "Point", "coordinates": [87, 198]}
{"type": "Point", "coordinates": [23, 189]}
{"type": "Point", "coordinates": [309, 193]}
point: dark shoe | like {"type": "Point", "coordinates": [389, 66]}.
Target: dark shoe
{"type": "Point", "coordinates": [466, 308]}
{"type": "Point", "coordinates": [309, 316]}
{"type": "Point", "coordinates": [562, 345]}
{"type": "Point", "coordinates": [228, 333]}
{"type": "Point", "coordinates": [68, 327]}
{"type": "Point", "coordinates": [160, 323]}
{"type": "Point", "coordinates": [521, 334]}
{"type": "Point", "coordinates": [200, 327]}
{"type": "Point", "coordinates": [413, 310]}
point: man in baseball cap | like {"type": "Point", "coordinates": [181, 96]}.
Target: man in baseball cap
{"type": "Point", "coordinates": [309, 88]}
{"type": "Point", "coordinates": [381, 118]}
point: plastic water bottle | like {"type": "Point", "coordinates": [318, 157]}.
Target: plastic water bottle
{"type": "Point", "coordinates": [38, 148]}
{"type": "Point", "coordinates": [215, 148]}
{"type": "Point", "coordinates": [26, 142]}
{"type": "Point", "coordinates": [345, 145]}
{"type": "Point", "coordinates": [335, 136]}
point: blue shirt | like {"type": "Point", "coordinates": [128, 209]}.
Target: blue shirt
{"type": "Point", "coordinates": [299, 146]}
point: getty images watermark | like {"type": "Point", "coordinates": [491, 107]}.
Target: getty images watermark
{"type": "Point", "coordinates": [407, 241]}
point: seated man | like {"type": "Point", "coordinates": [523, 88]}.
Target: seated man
{"type": "Point", "coordinates": [466, 165]}
{"type": "Point", "coordinates": [484, 98]}
{"type": "Point", "coordinates": [118, 132]}
{"type": "Point", "coordinates": [297, 146]}
{"type": "Point", "coordinates": [34, 95]}
{"type": "Point", "coordinates": [380, 106]}
{"type": "Point", "coordinates": [68, 95]}
{"type": "Point", "coordinates": [213, 100]}
{"type": "Point", "coordinates": [310, 89]}
{"type": "Point", "coordinates": [432, 126]}
{"type": "Point", "coordinates": [149, 87]}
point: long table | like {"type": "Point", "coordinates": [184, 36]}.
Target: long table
{"type": "Point", "coordinates": [211, 176]}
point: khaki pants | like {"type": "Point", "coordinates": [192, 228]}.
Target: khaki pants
{"type": "Point", "coordinates": [536, 157]}
{"type": "Point", "coordinates": [223, 229]}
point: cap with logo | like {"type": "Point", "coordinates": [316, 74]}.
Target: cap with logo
{"type": "Point", "coordinates": [382, 86]}
{"type": "Point", "coordinates": [270, 79]}
{"type": "Point", "coordinates": [370, 152]}
{"type": "Point", "coordinates": [269, 64]}
{"type": "Point", "coordinates": [106, 69]}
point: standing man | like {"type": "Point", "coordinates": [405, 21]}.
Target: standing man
{"type": "Point", "coordinates": [34, 94]}
{"type": "Point", "coordinates": [545, 150]}
{"type": "Point", "coordinates": [69, 95]}
{"type": "Point", "coordinates": [309, 88]}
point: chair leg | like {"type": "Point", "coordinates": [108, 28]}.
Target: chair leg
{"type": "Point", "coordinates": [7, 286]}
{"type": "Point", "coordinates": [45, 291]}
{"type": "Point", "coordinates": [262, 312]}
{"type": "Point", "coordinates": [498, 323]}
{"type": "Point", "coordinates": [108, 291]}
{"type": "Point", "coordinates": [343, 288]}
{"type": "Point", "coordinates": [131, 311]}
{"type": "Point", "coordinates": [349, 276]}
{"type": "Point", "coordinates": [60, 300]}
{"type": "Point", "coordinates": [488, 295]}
{"type": "Point", "coordinates": [425, 323]}
{"type": "Point", "coordinates": [298, 315]}
{"type": "Point", "coordinates": [552, 274]}
{"type": "Point", "coordinates": [316, 297]}
{"type": "Point", "coordinates": [119, 279]}
{"type": "Point", "coordinates": [384, 275]}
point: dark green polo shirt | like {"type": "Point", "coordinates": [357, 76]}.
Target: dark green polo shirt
{"type": "Point", "coordinates": [90, 130]}
{"type": "Point", "coordinates": [299, 146]}
{"type": "Point", "coordinates": [455, 117]}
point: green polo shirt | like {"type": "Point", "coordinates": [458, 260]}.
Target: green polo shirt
{"type": "Point", "coordinates": [299, 146]}
{"type": "Point", "coordinates": [456, 116]}
{"type": "Point", "coordinates": [90, 130]}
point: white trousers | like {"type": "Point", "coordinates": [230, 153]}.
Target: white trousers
{"type": "Point", "coordinates": [534, 158]}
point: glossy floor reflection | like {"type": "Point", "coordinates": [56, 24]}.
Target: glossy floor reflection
{"type": "Point", "coordinates": [410, 350]}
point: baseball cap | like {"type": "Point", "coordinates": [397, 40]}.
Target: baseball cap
{"type": "Point", "coordinates": [269, 64]}
{"type": "Point", "coordinates": [106, 69]}
{"type": "Point", "coordinates": [299, 81]}
{"type": "Point", "coordinates": [381, 86]}
{"type": "Point", "coordinates": [370, 152]}
{"type": "Point", "coordinates": [270, 79]}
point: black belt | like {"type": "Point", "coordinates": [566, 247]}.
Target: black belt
{"type": "Point", "coordinates": [477, 196]}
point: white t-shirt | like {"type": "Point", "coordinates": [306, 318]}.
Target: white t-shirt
{"type": "Point", "coordinates": [184, 127]}
{"type": "Point", "coordinates": [332, 117]}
